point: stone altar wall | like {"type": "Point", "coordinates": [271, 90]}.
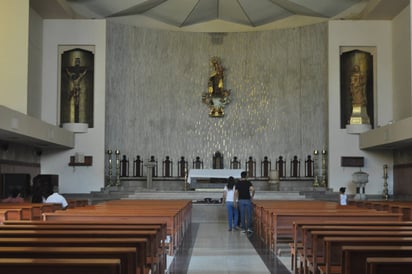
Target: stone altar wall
{"type": "Point", "coordinates": [155, 82]}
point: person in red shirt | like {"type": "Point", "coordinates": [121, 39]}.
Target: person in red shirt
{"type": "Point", "coordinates": [14, 197]}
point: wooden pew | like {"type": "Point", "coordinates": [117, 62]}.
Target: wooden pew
{"type": "Point", "coordinates": [274, 219]}
{"type": "Point", "coordinates": [130, 213]}
{"type": "Point", "coordinates": [269, 234]}
{"type": "Point", "coordinates": [320, 251]}
{"type": "Point", "coordinates": [262, 212]}
{"type": "Point", "coordinates": [158, 243]}
{"type": "Point", "coordinates": [27, 210]}
{"type": "Point", "coordinates": [404, 207]}
{"type": "Point", "coordinates": [119, 216]}
{"type": "Point", "coordinates": [61, 266]}
{"type": "Point", "coordinates": [184, 206]}
{"type": "Point", "coordinates": [175, 214]}
{"type": "Point", "coordinates": [10, 214]}
{"type": "Point", "coordinates": [283, 220]}
{"type": "Point", "coordinates": [126, 255]}
{"type": "Point", "coordinates": [354, 257]}
{"type": "Point", "coordinates": [73, 203]}
{"type": "Point", "coordinates": [388, 265]}
{"type": "Point", "coordinates": [152, 258]}
{"type": "Point", "coordinates": [301, 229]}
{"type": "Point", "coordinates": [30, 211]}
{"type": "Point", "coordinates": [139, 244]}
{"type": "Point", "coordinates": [278, 221]}
{"type": "Point", "coordinates": [296, 246]}
{"type": "Point", "coordinates": [334, 244]}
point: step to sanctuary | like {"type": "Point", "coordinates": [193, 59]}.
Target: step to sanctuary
{"type": "Point", "coordinates": [212, 194]}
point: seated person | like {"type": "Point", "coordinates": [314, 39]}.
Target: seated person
{"type": "Point", "coordinates": [342, 196]}
{"type": "Point", "coordinates": [37, 195]}
{"type": "Point", "coordinates": [56, 198]}
{"type": "Point", "coordinates": [14, 197]}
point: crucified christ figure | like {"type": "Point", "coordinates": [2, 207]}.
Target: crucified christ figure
{"type": "Point", "coordinates": [75, 75]}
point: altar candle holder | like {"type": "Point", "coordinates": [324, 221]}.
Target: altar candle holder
{"type": "Point", "coordinates": [324, 161]}
{"type": "Point", "coordinates": [315, 168]}
{"type": "Point", "coordinates": [117, 152]}
{"type": "Point", "coordinates": [110, 168]}
{"type": "Point", "coordinates": [385, 182]}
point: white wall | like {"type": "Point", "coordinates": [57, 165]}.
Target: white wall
{"type": "Point", "coordinates": [75, 32]}
{"type": "Point", "coordinates": [34, 95]}
{"type": "Point", "coordinates": [359, 33]}
{"type": "Point", "coordinates": [14, 29]}
{"type": "Point", "coordinates": [402, 65]}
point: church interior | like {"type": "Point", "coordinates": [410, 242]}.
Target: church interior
{"type": "Point", "coordinates": [154, 104]}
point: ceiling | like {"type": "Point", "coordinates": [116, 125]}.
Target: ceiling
{"type": "Point", "coordinates": [219, 15]}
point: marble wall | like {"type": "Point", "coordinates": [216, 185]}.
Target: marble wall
{"type": "Point", "coordinates": [155, 81]}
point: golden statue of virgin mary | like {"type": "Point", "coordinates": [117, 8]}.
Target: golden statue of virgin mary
{"type": "Point", "coordinates": [216, 96]}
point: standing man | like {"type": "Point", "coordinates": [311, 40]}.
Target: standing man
{"type": "Point", "coordinates": [244, 194]}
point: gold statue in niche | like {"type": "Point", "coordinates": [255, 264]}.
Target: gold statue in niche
{"type": "Point", "coordinates": [216, 96]}
{"type": "Point", "coordinates": [358, 86]}
{"type": "Point", "coordinates": [359, 100]}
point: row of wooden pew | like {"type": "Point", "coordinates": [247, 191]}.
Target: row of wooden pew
{"type": "Point", "coordinates": [403, 207]}
{"type": "Point", "coordinates": [116, 237]}
{"type": "Point", "coordinates": [33, 211]}
{"type": "Point", "coordinates": [325, 237]}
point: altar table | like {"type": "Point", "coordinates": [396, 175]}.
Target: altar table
{"type": "Point", "coordinates": [212, 173]}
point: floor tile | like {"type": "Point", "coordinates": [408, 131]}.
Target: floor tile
{"type": "Point", "coordinates": [210, 248]}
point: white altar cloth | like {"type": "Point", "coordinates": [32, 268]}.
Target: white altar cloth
{"type": "Point", "coordinates": [212, 173]}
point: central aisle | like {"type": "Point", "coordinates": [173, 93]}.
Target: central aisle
{"type": "Point", "coordinates": [217, 250]}
{"type": "Point", "coordinates": [210, 248]}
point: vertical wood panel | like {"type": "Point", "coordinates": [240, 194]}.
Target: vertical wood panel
{"type": "Point", "coordinates": [402, 175]}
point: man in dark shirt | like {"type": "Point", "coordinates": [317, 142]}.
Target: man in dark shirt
{"type": "Point", "coordinates": [244, 194]}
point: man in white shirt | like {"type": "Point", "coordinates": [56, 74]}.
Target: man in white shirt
{"type": "Point", "coordinates": [56, 198]}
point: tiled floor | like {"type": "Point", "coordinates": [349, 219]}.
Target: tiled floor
{"type": "Point", "coordinates": [210, 248]}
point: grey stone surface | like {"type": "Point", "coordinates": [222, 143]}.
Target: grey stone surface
{"type": "Point", "coordinates": [155, 82]}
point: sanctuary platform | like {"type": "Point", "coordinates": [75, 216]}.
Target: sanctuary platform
{"type": "Point", "coordinates": [204, 182]}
